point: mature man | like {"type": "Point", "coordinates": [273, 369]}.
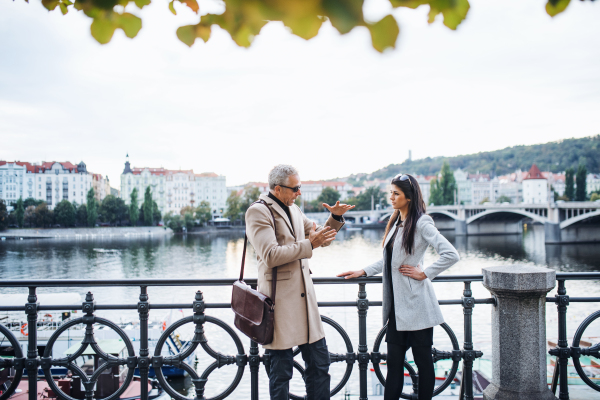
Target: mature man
{"type": "Point", "coordinates": [297, 319]}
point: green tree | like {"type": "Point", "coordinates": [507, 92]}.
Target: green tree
{"type": "Point", "coordinates": [156, 212]}
{"type": "Point", "coordinates": [43, 216]}
{"type": "Point", "coordinates": [174, 221]}
{"type": "Point", "coordinates": [64, 213]}
{"type": "Point", "coordinates": [447, 185]}
{"type": "Point", "coordinates": [503, 199]}
{"type": "Point", "coordinates": [148, 207]}
{"type": "Point", "coordinates": [3, 215]}
{"type": "Point", "coordinates": [203, 212]}
{"type": "Point", "coordinates": [20, 212]}
{"type": "Point", "coordinates": [436, 196]}
{"type": "Point", "coordinates": [133, 207]}
{"type": "Point", "coordinates": [251, 194]}
{"type": "Point", "coordinates": [244, 20]}
{"type": "Point", "coordinates": [92, 208]}
{"type": "Point", "coordinates": [328, 196]}
{"type": "Point", "coordinates": [82, 215]}
{"type": "Point", "coordinates": [30, 216]}
{"type": "Point", "coordinates": [113, 210]}
{"type": "Point", "coordinates": [569, 184]}
{"type": "Point", "coordinates": [188, 220]}
{"type": "Point", "coordinates": [580, 178]}
{"type": "Point", "coordinates": [595, 197]}
{"type": "Point", "coordinates": [30, 201]}
{"type": "Point", "coordinates": [234, 206]}
{"type": "Point", "coordinates": [372, 195]}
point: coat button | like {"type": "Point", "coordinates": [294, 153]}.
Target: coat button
{"type": "Point", "coordinates": [301, 294]}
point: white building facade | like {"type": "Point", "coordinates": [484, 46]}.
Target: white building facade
{"type": "Point", "coordinates": [51, 182]}
{"type": "Point", "coordinates": [535, 187]}
{"type": "Point", "coordinates": [175, 189]}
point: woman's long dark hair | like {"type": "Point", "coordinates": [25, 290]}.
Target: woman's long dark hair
{"type": "Point", "coordinates": [416, 208]}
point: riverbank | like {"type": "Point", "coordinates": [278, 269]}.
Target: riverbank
{"type": "Point", "coordinates": [85, 233]}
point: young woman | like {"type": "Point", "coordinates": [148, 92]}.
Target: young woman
{"type": "Point", "coordinates": [410, 307]}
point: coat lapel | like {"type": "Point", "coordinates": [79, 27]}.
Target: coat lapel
{"type": "Point", "coordinates": [279, 210]}
{"type": "Point", "coordinates": [389, 236]}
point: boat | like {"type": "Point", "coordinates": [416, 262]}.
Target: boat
{"type": "Point", "coordinates": [108, 382]}
{"type": "Point", "coordinates": [49, 322]}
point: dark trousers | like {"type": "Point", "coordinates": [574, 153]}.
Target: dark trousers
{"type": "Point", "coordinates": [316, 371]}
{"type": "Point", "coordinates": [394, 381]}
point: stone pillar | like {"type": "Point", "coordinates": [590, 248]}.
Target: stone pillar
{"type": "Point", "coordinates": [460, 227]}
{"type": "Point", "coordinates": [519, 332]}
{"type": "Point", "coordinates": [552, 232]}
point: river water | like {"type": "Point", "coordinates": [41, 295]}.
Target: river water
{"type": "Point", "coordinates": [218, 255]}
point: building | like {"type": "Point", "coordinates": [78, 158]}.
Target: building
{"type": "Point", "coordinates": [535, 187]}
{"type": "Point", "coordinates": [464, 187]}
{"type": "Point", "coordinates": [101, 187]}
{"type": "Point", "coordinates": [51, 182]}
{"type": "Point", "coordinates": [175, 189]}
{"type": "Point", "coordinates": [311, 190]}
{"type": "Point", "coordinates": [592, 183]}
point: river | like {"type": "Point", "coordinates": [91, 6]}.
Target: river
{"type": "Point", "coordinates": [218, 255]}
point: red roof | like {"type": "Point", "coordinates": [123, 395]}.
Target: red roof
{"type": "Point", "coordinates": [534, 173]}
{"type": "Point", "coordinates": [28, 166]}
{"type": "Point", "coordinates": [207, 175]}
{"type": "Point", "coordinates": [324, 183]}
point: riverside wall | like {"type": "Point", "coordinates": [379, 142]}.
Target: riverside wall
{"type": "Point", "coordinates": [83, 233]}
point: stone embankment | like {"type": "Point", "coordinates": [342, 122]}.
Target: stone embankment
{"type": "Point", "coordinates": [85, 233]}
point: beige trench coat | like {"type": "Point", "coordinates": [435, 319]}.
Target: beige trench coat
{"type": "Point", "coordinates": [297, 318]}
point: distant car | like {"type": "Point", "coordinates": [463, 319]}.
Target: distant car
{"type": "Point", "coordinates": [105, 224]}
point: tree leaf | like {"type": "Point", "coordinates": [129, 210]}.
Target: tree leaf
{"type": "Point", "coordinates": [130, 24]}
{"type": "Point", "coordinates": [344, 14]}
{"type": "Point", "coordinates": [103, 29]}
{"type": "Point", "coordinates": [187, 34]}
{"type": "Point", "coordinates": [172, 7]}
{"type": "Point", "coordinates": [555, 7]}
{"type": "Point", "coordinates": [50, 4]}
{"type": "Point", "coordinates": [192, 4]}
{"type": "Point", "coordinates": [384, 33]}
{"type": "Point", "coordinates": [142, 3]}
{"type": "Point", "coordinates": [307, 27]}
{"type": "Point", "coordinates": [63, 8]}
{"type": "Point", "coordinates": [454, 11]}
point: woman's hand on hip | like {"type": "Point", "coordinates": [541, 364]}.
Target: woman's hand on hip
{"type": "Point", "coordinates": [413, 272]}
{"type": "Point", "coordinates": [353, 274]}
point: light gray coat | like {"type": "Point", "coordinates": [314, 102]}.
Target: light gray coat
{"type": "Point", "coordinates": [416, 306]}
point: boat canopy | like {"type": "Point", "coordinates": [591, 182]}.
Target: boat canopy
{"type": "Point", "coordinates": [109, 346]}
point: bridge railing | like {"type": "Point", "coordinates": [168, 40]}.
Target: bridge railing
{"type": "Point", "coordinates": [252, 360]}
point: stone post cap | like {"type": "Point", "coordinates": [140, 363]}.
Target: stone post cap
{"type": "Point", "coordinates": [521, 279]}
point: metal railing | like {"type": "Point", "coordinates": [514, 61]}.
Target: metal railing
{"type": "Point", "coordinates": [253, 359]}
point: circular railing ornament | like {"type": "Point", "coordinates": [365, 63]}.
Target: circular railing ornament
{"type": "Point", "coordinates": [349, 358]}
{"type": "Point", "coordinates": [88, 382]}
{"type": "Point", "coordinates": [438, 355]}
{"type": "Point", "coordinates": [199, 339]}
{"type": "Point", "coordinates": [18, 363]}
{"type": "Point", "coordinates": [577, 351]}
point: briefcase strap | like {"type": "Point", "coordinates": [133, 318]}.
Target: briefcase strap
{"type": "Point", "coordinates": [274, 274]}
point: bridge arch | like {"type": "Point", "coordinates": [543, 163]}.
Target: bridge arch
{"type": "Point", "coordinates": [578, 218]}
{"type": "Point", "coordinates": [509, 211]}
{"type": "Point", "coordinates": [443, 212]}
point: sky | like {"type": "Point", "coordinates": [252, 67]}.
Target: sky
{"type": "Point", "coordinates": [331, 106]}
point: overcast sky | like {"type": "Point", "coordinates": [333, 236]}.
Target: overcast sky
{"type": "Point", "coordinates": [331, 106]}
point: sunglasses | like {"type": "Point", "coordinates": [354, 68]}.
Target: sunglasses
{"type": "Point", "coordinates": [293, 189]}
{"type": "Point", "coordinates": [402, 178]}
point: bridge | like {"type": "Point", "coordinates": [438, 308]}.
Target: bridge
{"type": "Point", "coordinates": [568, 222]}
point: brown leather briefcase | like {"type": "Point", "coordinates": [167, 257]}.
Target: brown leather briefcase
{"type": "Point", "coordinates": [254, 311]}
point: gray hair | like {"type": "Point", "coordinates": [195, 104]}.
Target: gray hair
{"type": "Point", "coordinates": [280, 174]}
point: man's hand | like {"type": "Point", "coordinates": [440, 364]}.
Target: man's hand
{"type": "Point", "coordinates": [324, 236]}
{"type": "Point", "coordinates": [412, 272]}
{"type": "Point", "coordinates": [338, 209]}
{"type": "Point", "coordinates": [353, 274]}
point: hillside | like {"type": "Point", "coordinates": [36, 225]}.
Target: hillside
{"type": "Point", "coordinates": [552, 156]}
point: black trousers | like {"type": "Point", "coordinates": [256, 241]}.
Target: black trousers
{"type": "Point", "coordinates": [316, 374]}
{"type": "Point", "coordinates": [394, 381]}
